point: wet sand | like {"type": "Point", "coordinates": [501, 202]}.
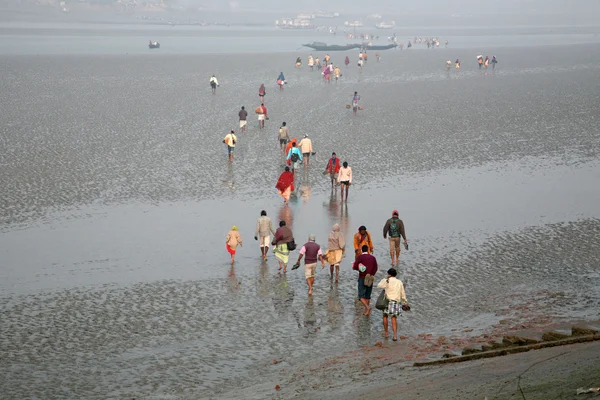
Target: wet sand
{"type": "Point", "coordinates": [117, 197]}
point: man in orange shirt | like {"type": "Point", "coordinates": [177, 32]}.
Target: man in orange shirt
{"type": "Point", "coordinates": [362, 238]}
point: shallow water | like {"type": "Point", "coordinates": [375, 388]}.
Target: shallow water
{"type": "Point", "coordinates": [117, 197]}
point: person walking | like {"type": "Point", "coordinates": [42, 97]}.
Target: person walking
{"type": "Point", "coordinates": [243, 114]}
{"type": "Point", "coordinates": [312, 253]}
{"type": "Point", "coordinates": [231, 242]}
{"type": "Point", "coordinates": [306, 149]}
{"type": "Point", "coordinates": [396, 296]}
{"type": "Point", "coordinates": [230, 140]}
{"type": "Point", "coordinates": [285, 184]}
{"type": "Point", "coordinates": [336, 248]}
{"type": "Point", "coordinates": [345, 179]}
{"type": "Point", "coordinates": [494, 62]}
{"type": "Point", "coordinates": [281, 81]}
{"type": "Point", "coordinates": [213, 84]}
{"type": "Point", "coordinates": [333, 168]}
{"type": "Point", "coordinates": [261, 93]}
{"type": "Point", "coordinates": [311, 62]}
{"type": "Point", "coordinates": [362, 238]}
{"type": "Point", "coordinates": [366, 265]}
{"type": "Point", "coordinates": [264, 228]}
{"type": "Point", "coordinates": [262, 115]}
{"type": "Point", "coordinates": [295, 156]}
{"type": "Point", "coordinates": [284, 243]}
{"type": "Point", "coordinates": [355, 99]}
{"type": "Point", "coordinates": [284, 136]}
{"type": "Point", "coordinates": [394, 227]}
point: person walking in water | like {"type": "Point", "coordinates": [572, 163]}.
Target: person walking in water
{"type": "Point", "coordinates": [394, 227]}
{"type": "Point", "coordinates": [347, 61]}
{"type": "Point", "coordinates": [366, 265]}
{"type": "Point", "coordinates": [281, 81]}
{"type": "Point", "coordinates": [355, 99]}
{"type": "Point", "coordinates": [281, 241]}
{"type": "Point", "coordinates": [285, 184]}
{"type": "Point", "coordinates": [311, 62]}
{"type": "Point", "coordinates": [494, 62]}
{"type": "Point", "coordinates": [306, 149]}
{"type": "Point", "coordinates": [396, 296]}
{"type": "Point", "coordinates": [262, 115]}
{"type": "Point", "coordinates": [295, 156]}
{"type": "Point", "coordinates": [213, 84]}
{"type": "Point", "coordinates": [243, 114]}
{"type": "Point", "coordinates": [363, 237]}
{"type": "Point", "coordinates": [457, 64]}
{"type": "Point", "coordinates": [261, 93]}
{"type": "Point", "coordinates": [480, 61]}
{"type": "Point", "coordinates": [345, 178]}
{"type": "Point", "coordinates": [333, 168]}
{"type": "Point", "coordinates": [312, 253]}
{"type": "Point", "coordinates": [486, 62]}
{"type": "Point", "coordinates": [337, 73]}
{"type": "Point", "coordinates": [284, 136]}
{"type": "Point", "coordinates": [264, 228]}
{"type": "Point", "coordinates": [230, 140]}
{"type": "Point", "coordinates": [336, 247]}
{"type": "Point", "coordinates": [231, 242]}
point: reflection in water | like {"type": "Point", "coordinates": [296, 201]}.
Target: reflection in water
{"type": "Point", "coordinates": [233, 283]}
{"type": "Point", "coordinates": [228, 179]}
{"type": "Point", "coordinates": [285, 214]}
{"type": "Point", "coordinates": [332, 207]}
{"type": "Point", "coordinates": [305, 188]}
{"type": "Point", "coordinates": [283, 296]}
{"type": "Point", "coordinates": [264, 283]}
{"type": "Point", "coordinates": [335, 309]}
{"type": "Point", "coordinates": [310, 318]}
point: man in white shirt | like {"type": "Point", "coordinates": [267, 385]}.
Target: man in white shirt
{"type": "Point", "coordinates": [213, 84]}
{"type": "Point", "coordinates": [306, 149]}
{"type": "Point", "coordinates": [395, 294]}
{"type": "Point", "coordinates": [345, 178]}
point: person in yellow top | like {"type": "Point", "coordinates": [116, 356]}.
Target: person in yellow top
{"type": "Point", "coordinates": [362, 238]}
{"type": "Point", "coordinates": [396, 295]}
{"type": "Point", "coordinates": [230, 140]}
{"type": "Point", "coordinates": [231, 242]}
{"type": "Point", "coordinates": [337, 73]}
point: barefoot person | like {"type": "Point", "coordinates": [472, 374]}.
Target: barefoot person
{"type": "Point", "coordinates": [284, 136]}
{"type": "Point", "coordinates": [243, 114]}
{"type": "Point", "coordinates": [362, 238]}
{"type": "Point", "coordinates": [262, 115]}
{"type": "Point", "coordinates": [230, 140]}
{"type": "Point", "coordinates": [312, 253]}
{"type": "Point", "coordinates": [264, 228]}
{"type": "Point", "coordinates": [395, 294]}
{"type": "Point", "coordinates": [345, 179]}
{"type": "Point", "coordinates": [261, 93]}
{"type": "Point", "coordinates": [283, 237]}
{"type": "Point", "coordinates": [336, 247]}
{"type": "Point", "coordinates": [355, 99]}
{"type": "Point", "coordinates": [295, 156]}
{"type": "Point", "coordinates": [306, 149]}
{"type": "Point", "coordinates": [281, 81]}
{"type": "Point", "coordinates": [231, 242]}
{"type": "Point", "coordinates": [366, 265]}
{"type": "Point", "coordinates": [285, 184]}
{"type": "Point", "coordinates": [333, 168]}
{"type": "Point", "coordinates": [394, 227]}
{"type": "Point", "coordinates": [213, 84]}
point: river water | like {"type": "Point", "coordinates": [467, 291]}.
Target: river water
{"type": "Point", "coordinates": [117, 196]}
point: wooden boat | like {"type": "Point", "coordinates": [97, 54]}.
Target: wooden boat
{"type": "Point", "coordinates": [319, 46]}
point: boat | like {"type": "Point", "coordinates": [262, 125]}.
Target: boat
{"type": "Point", "coordinates": [320, 46]}
{"type": "Point", "coordinates": [355, 24]}
{"type": "Point", "coordinates": [385, 25]}
{"type": "Point", "coordinates": [321, 14]}
{"type": "Point", "coordinates": [378, 47]}
{"type": "Point", "coordinates": [154, 45]}
{"type": "Point", "coordinates": [374, 16]}
{"type": "Point", "coordinates": [295, 23]}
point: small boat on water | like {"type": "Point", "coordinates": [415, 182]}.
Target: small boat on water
{"type": "Point", "coordinates": [153, 45]}
{"type": "Point", "coordinates": [320, 46]}
{"type": "Point", "coordinates": [375, 47]}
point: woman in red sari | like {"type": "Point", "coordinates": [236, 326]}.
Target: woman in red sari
{"type": "Point", "coordinates": [285, 184]}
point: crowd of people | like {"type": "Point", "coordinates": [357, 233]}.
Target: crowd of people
{"type": "Point", "coordinates": [297, 156]}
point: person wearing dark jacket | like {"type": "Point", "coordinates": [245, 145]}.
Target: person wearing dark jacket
{"type": "Point", "coordinates": [394, 227]}
{"type": "Point", "coordinates": [281, 241]}
{"type": "Point", "coordinates": [366, 265]}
